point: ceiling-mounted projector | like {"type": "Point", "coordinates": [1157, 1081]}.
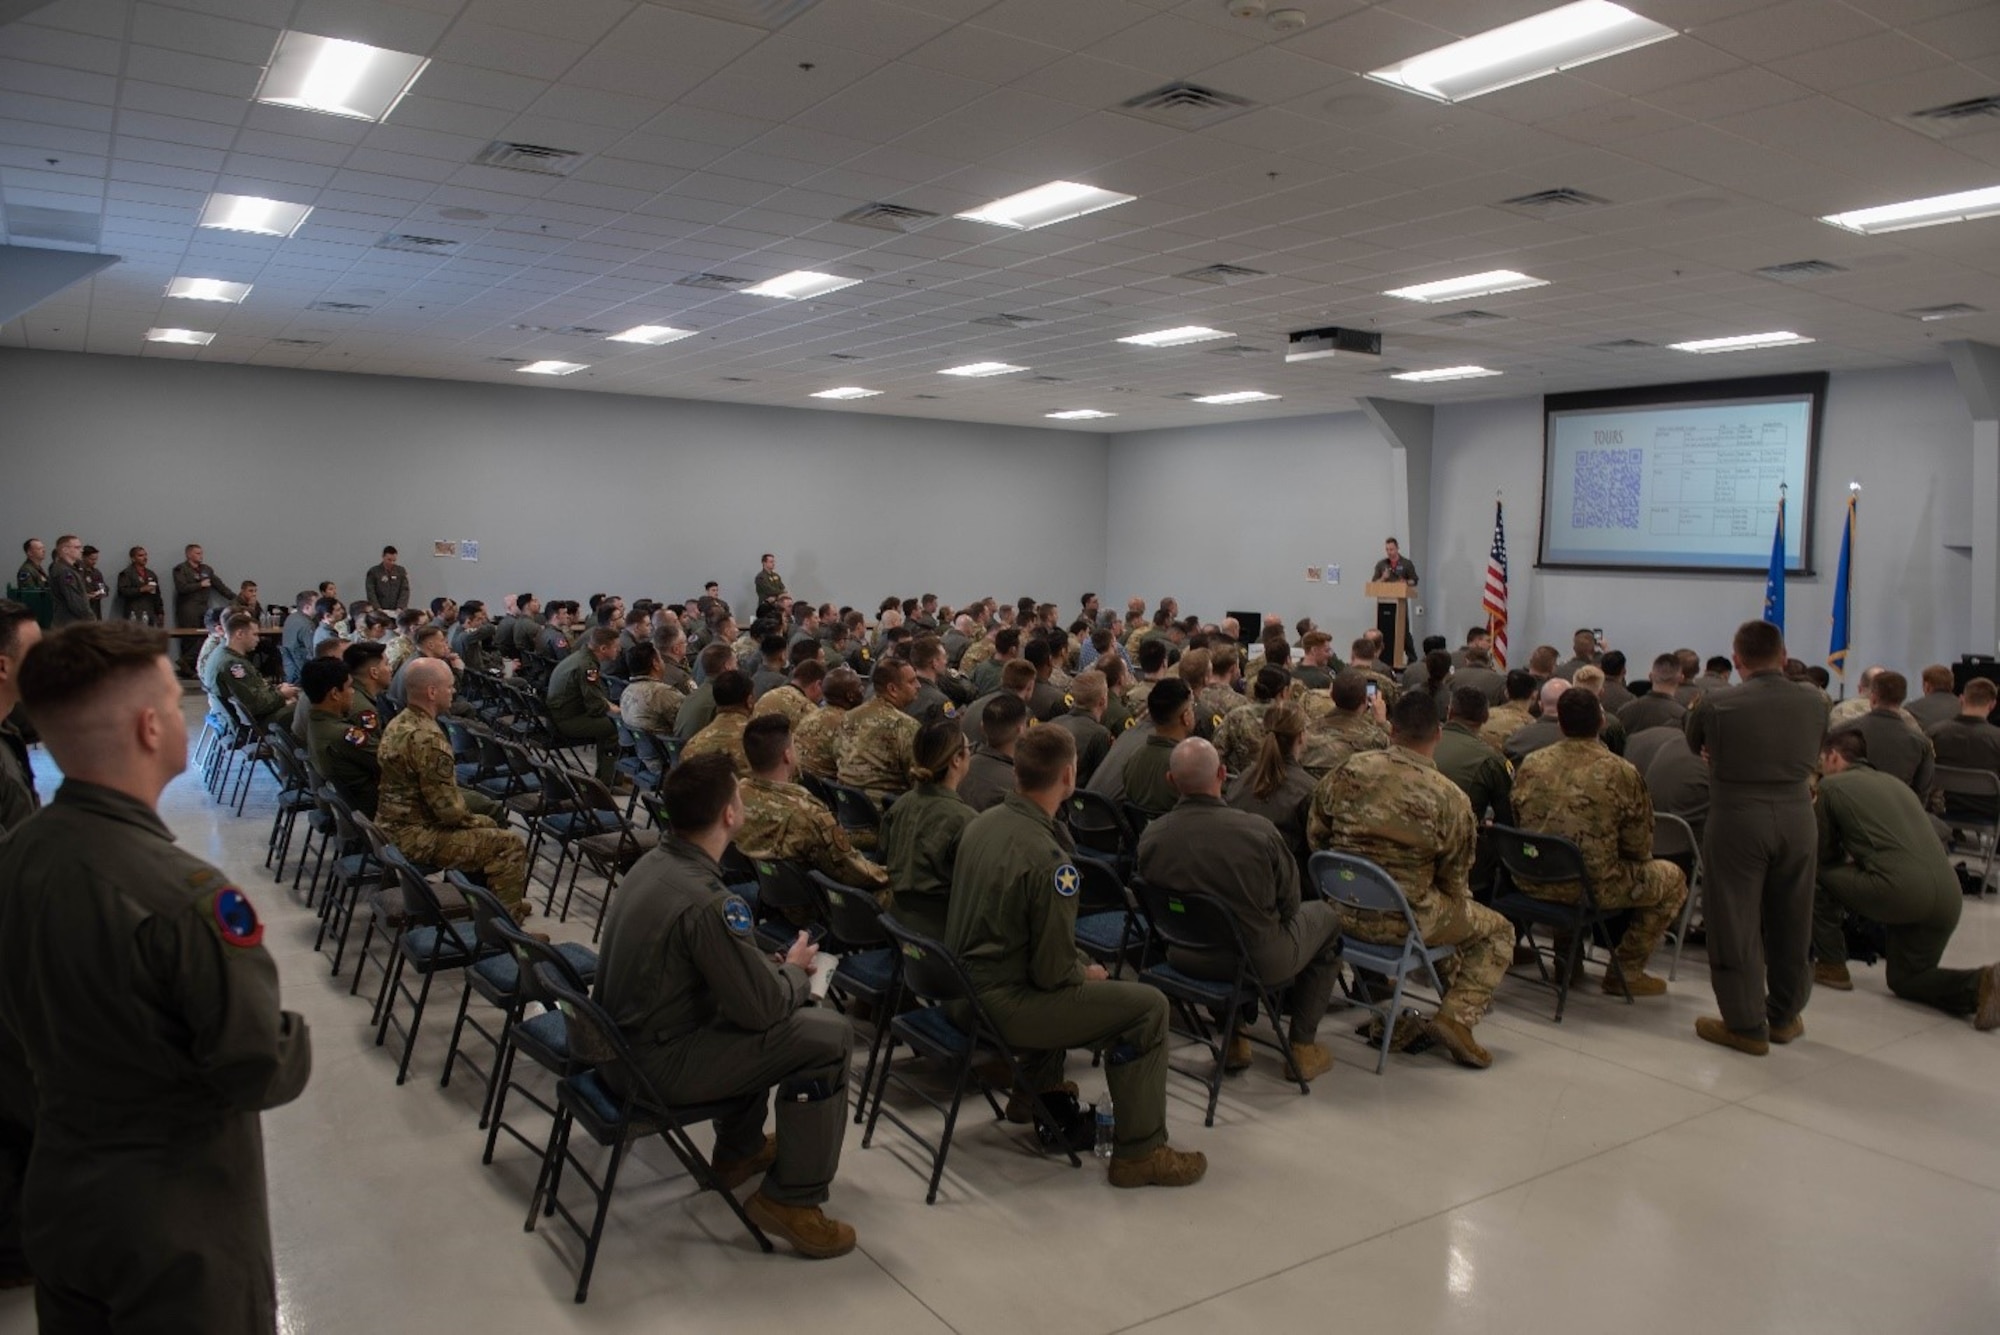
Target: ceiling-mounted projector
{"type": "Point", "coordinates": [1311, 344]}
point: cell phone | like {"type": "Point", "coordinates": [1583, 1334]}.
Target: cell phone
{"type": "Point", "coordinates": [814, 933]}
{"type": "Point", "coordinates": [1371, 690]}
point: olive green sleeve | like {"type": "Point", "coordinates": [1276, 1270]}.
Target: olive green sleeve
{"type": "Point", "coordinates": [223, 993]}
{"type": "Point", "coordinates": [751, 992]}
{"type": "Point", "coordinates": [1053, 959]}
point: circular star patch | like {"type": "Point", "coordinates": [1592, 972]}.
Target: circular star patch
{"type": "Point", "coordinates": [236, 919]}
{"type": "Point", "coordinates": [1068, 880]}
{"type": "Point", "coordinates": [736, 915]}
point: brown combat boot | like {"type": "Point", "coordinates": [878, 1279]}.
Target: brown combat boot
{"type": "Point", "coordinates": [1456, 1039]}
{"type": "Point", "coordinates": [1834, 976]}
{"type": "Point", "coordinates": [1021, 1107]}
{"type": "Point", "coordinates": [1986, 1015]}
{"type": "Point", "coordinates": [1785, 1033]}
{"type": "Point", "coordinates": [1641, 983]}
{"type": "Point", "coordinates": [1236, 1057]}
{"type": "Point", "coordinates": [806, 1227]}
{"type": "Point", "coordinates": [1164, 1167]}
{"type": "Point", "coordinates": [1715, 1031]}
{"type": "Point", "coordinates": [733, 1173]}
{"type": "Point", "coordinates": [1312, 1059]}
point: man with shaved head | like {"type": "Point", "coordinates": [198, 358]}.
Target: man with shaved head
{"type": "Point", "coordinates": [420, 808]}
{"type": "Point", "coordinates": [1544, 731]}
{"type": "Point", "coordinates": [1204, 846]}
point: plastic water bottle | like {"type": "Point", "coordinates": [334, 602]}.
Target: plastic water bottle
{"type": "Point", "coordinates": [1107, 1127]}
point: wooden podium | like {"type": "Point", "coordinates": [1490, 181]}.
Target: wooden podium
{"type": "Point", "coordinates": [1392, 617]}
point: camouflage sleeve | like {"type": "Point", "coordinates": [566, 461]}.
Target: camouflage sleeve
{"type": "Point", "coordinates": [836, 855]}
{"type": "Point", "coordinates": [1319, 816]}
{"type": "Point", "coordinates": [1456, 835]}
{"type": "Point", "coordinates": [1635, 816]}
{"type": "Point", "coordinates": [437, 779]}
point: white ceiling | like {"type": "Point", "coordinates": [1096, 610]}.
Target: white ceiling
{"type": "Point", "coordinates": [719, 146]}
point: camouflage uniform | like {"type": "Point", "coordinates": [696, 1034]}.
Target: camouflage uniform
{"type": "Point", "coordinates": [1503, 721]}
{"type": "Point", "coordinates": [1212, 706]}
{"type": "Point", "coordinates": [1394, 808]}
{"type": "Point", "coordinates": [787, 700]}
{"type": "Point", "coordinates": [1330, 739]}
{"type": "Point", "coordinates": [783, 820]}
{"type": "Point", "coordinates": [975, 653]}
{"type": "Point", "coordinates": [722, 737]}
{"type": "Point", "coordinates": [1577, 789]}
{"type": "Point", "coordinates": [819, 742]}
{"type": "Point", "coordinates": [876, 743]}
{"type": "Point", "coordinates": [650, 706]}
{"type": "Point", "coordinates": [1136, 697]}
{"type": "Point", "coordinates": [1240, 735]}
{"type": "Point", "coordinates": [401, 649]}
{"type": "Point", "coordinates": [422, 812]}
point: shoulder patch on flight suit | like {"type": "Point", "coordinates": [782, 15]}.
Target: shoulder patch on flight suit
{"type": "Point", "coordinates": [368, 720]}
{"type": "Point", "coordinates": [736, 915]}
{"type": "Point", "coordinates": [950, 710]}
{"type": "Point", "coordinates": [1069, 701]}
{"type": "Point", "coordinates": [590, 675]}
{"type": "Point", "coordinates": [1068, 880]}
{"type": "Point", "coordinates": [236, 919]}
{"type": "Point", "coordinates": [1128, 724]}
{"type": "Point", "coordinates": [355, 737]}
{"type": "Point", "coordinates": [1215, 720]}
{"type": "Point", "coordinates": [238, 671]}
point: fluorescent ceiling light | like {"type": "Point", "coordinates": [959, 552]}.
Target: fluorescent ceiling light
{"type": "Point", "coordinates": [1238, 396]}
{"type": "Point", "coordinates": [1444, 373]}
{"type": "Point", "coordinates": [552, 368]}
{"type": "Point", "coordinates": [847, 392]}
{"type": "Point", "coordinates": [982, 368]}
{"type": "Point", "coordinates": [193, 336]}
{"type": "Point", "coordinates": [799, 284]}
{"type": "Point", "coordinates": [1058, 201]}
{"type": "Point", "coordinates": [336, 77]}
{"type": "Point", "coordinates": [1558, 39]}
{"type": "Point", "coordinates": [1961, 207]}
{"type": "Point", "coordinates": [1740, 342]}
{"type": "Point", "coordinates": [651, 334]}
{"type": "Point", "coordinates": [1472, 285]}
{"type": "Point", "coordinates": [1174, 338]}
{"type": "Point", "coordinates": [252, 213]}
{"type": "Point", "coordinates": [1078, 414]}
{"type": "Point", "coordinates": [207, 289]}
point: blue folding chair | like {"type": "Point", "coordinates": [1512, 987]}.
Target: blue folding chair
{"type": "Point", "coordinates": [1357, 885]}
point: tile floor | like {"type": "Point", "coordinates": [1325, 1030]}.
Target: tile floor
{"type": "Point", "coordinates": [1610, 1174]}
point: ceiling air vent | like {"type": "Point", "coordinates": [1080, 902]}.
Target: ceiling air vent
{"type": "Point", "coordinates": [1799, 270]}
{"type": "Point", "coordinates": [339, 307]}
{"type": "Point", "coordinates": [737, 379]}
{"type": "Point", "coordinates": [1560, 200]}
{"type": "Point", "coordinates": [1973, 114]}
{"type": "Point", "coordinates": [889, 217]}
{"type": "Point", "coordinates": [1185, 106]}
{"type": "Point", "coordinates": [419, 245]}
{"type": "Point", "coordinates": [1223, 275]}
{"type": "Point", "coordinates": [509, 361]}
{"type": "Point", "coordinates": [529, 158]}
{"type": "Point", "coordinates": [767, 14]}
{"type": "Point", "coordinates": [714, 282]}
{"type": "Point", "coordinates": [1236, 350]}
{"type": "Point", "coordinates": [1004, 321]}
{"type": "Point", "coordinates": [1949, 311]}
{"type": "Point", "coordinates": [583, 331]}
{"type": "Point", "coordinates": [1050, 379]}
{"type": "Point", "coordinates": [1460, 319]}
{"type": "Point", "coordinates": [298, 343]}
{"type": "Point", "coordinates": [926, 396]}
{"type": "Point", "coordinates": [1622, 345]}
{"type": "Point", "coordinates": [843, 357]}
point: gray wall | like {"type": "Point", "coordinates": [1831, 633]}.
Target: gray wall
{"type": "Point", "coordinates": [290, 477]}
{"type": "Point", "coordinates": [1230, 516]}
{"type": "Point", "coordinates": [1904, 434]}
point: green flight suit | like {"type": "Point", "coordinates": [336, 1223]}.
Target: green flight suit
{"type": "Point", "coordinates": [711, 1018]}
{"type": "Point", "coordinates": [1146, 785]}
{"type": "Point", "coordinates": [1012, 921]}
{"type": "Point", "coordinates": [245, 684]}
{"type": "Point", "coordinates": [343, 751]}
{"type": "Point", "coordinates": [133, 978]}
{"type": "Point", "coordinates": [919, 842]}
{"type": "Point", "coordinates": [1879, 857]}
{"type": "Point", "coordinates": [1487, 780]}
{"type": "Point", "coordinates": [1758, 847]}
{"type": "Point", "coordinates": [580, 709]}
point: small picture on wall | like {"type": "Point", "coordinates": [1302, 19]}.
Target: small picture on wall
{"type": "Point", "coordinates": [468, 549]}
{"type": "Point", "coordinates": [444, 548]}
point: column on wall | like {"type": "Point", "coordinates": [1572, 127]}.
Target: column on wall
{"type": "Point", "coordinates": [1977, 366]}
{"type": "Point", "coordinates": [1408, 428]}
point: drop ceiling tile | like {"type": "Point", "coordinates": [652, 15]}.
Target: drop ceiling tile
{"type": "Point", "coordinates": [1087, 81]}
{"type": "Point", "coordinates": [181, 102]}
{"type": "Point", "coordinates": [202, 74]}
{"type": "Point", "coordinates": [1972, 32]}
{"type": "Point", "coordinates": [1368, 41]}
{"type": "Point", "coordinates": [892, 101]}
{"type": "Point", "coordinates": [171, 129]}
{"type": "Point", "coordinates": [508, 50]}
{"type": "Point", "coordinates": [1787, 29]}
{"type": "Point", "coordinates": [661, 53]}
{"type": "Point", "coordinates": [1864, 60]}
{"type": "Point", "coordinates": [460, 118]}
{"type": "Point", "coordinates": [988, 55]}
{"type": "Point", "coordinates": [1738, 91]}
{"type": "Point", "coordinates": [206, 34]}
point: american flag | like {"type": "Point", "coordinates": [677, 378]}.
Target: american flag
{"type": "Point", "coordinates": [1495, 599]}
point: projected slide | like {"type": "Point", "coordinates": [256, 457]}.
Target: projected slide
{"type": "Point", "coordinates": [1680, 485]}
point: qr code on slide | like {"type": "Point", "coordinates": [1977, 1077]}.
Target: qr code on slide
{"type": "Point", "coordinates": [1607, 489]}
